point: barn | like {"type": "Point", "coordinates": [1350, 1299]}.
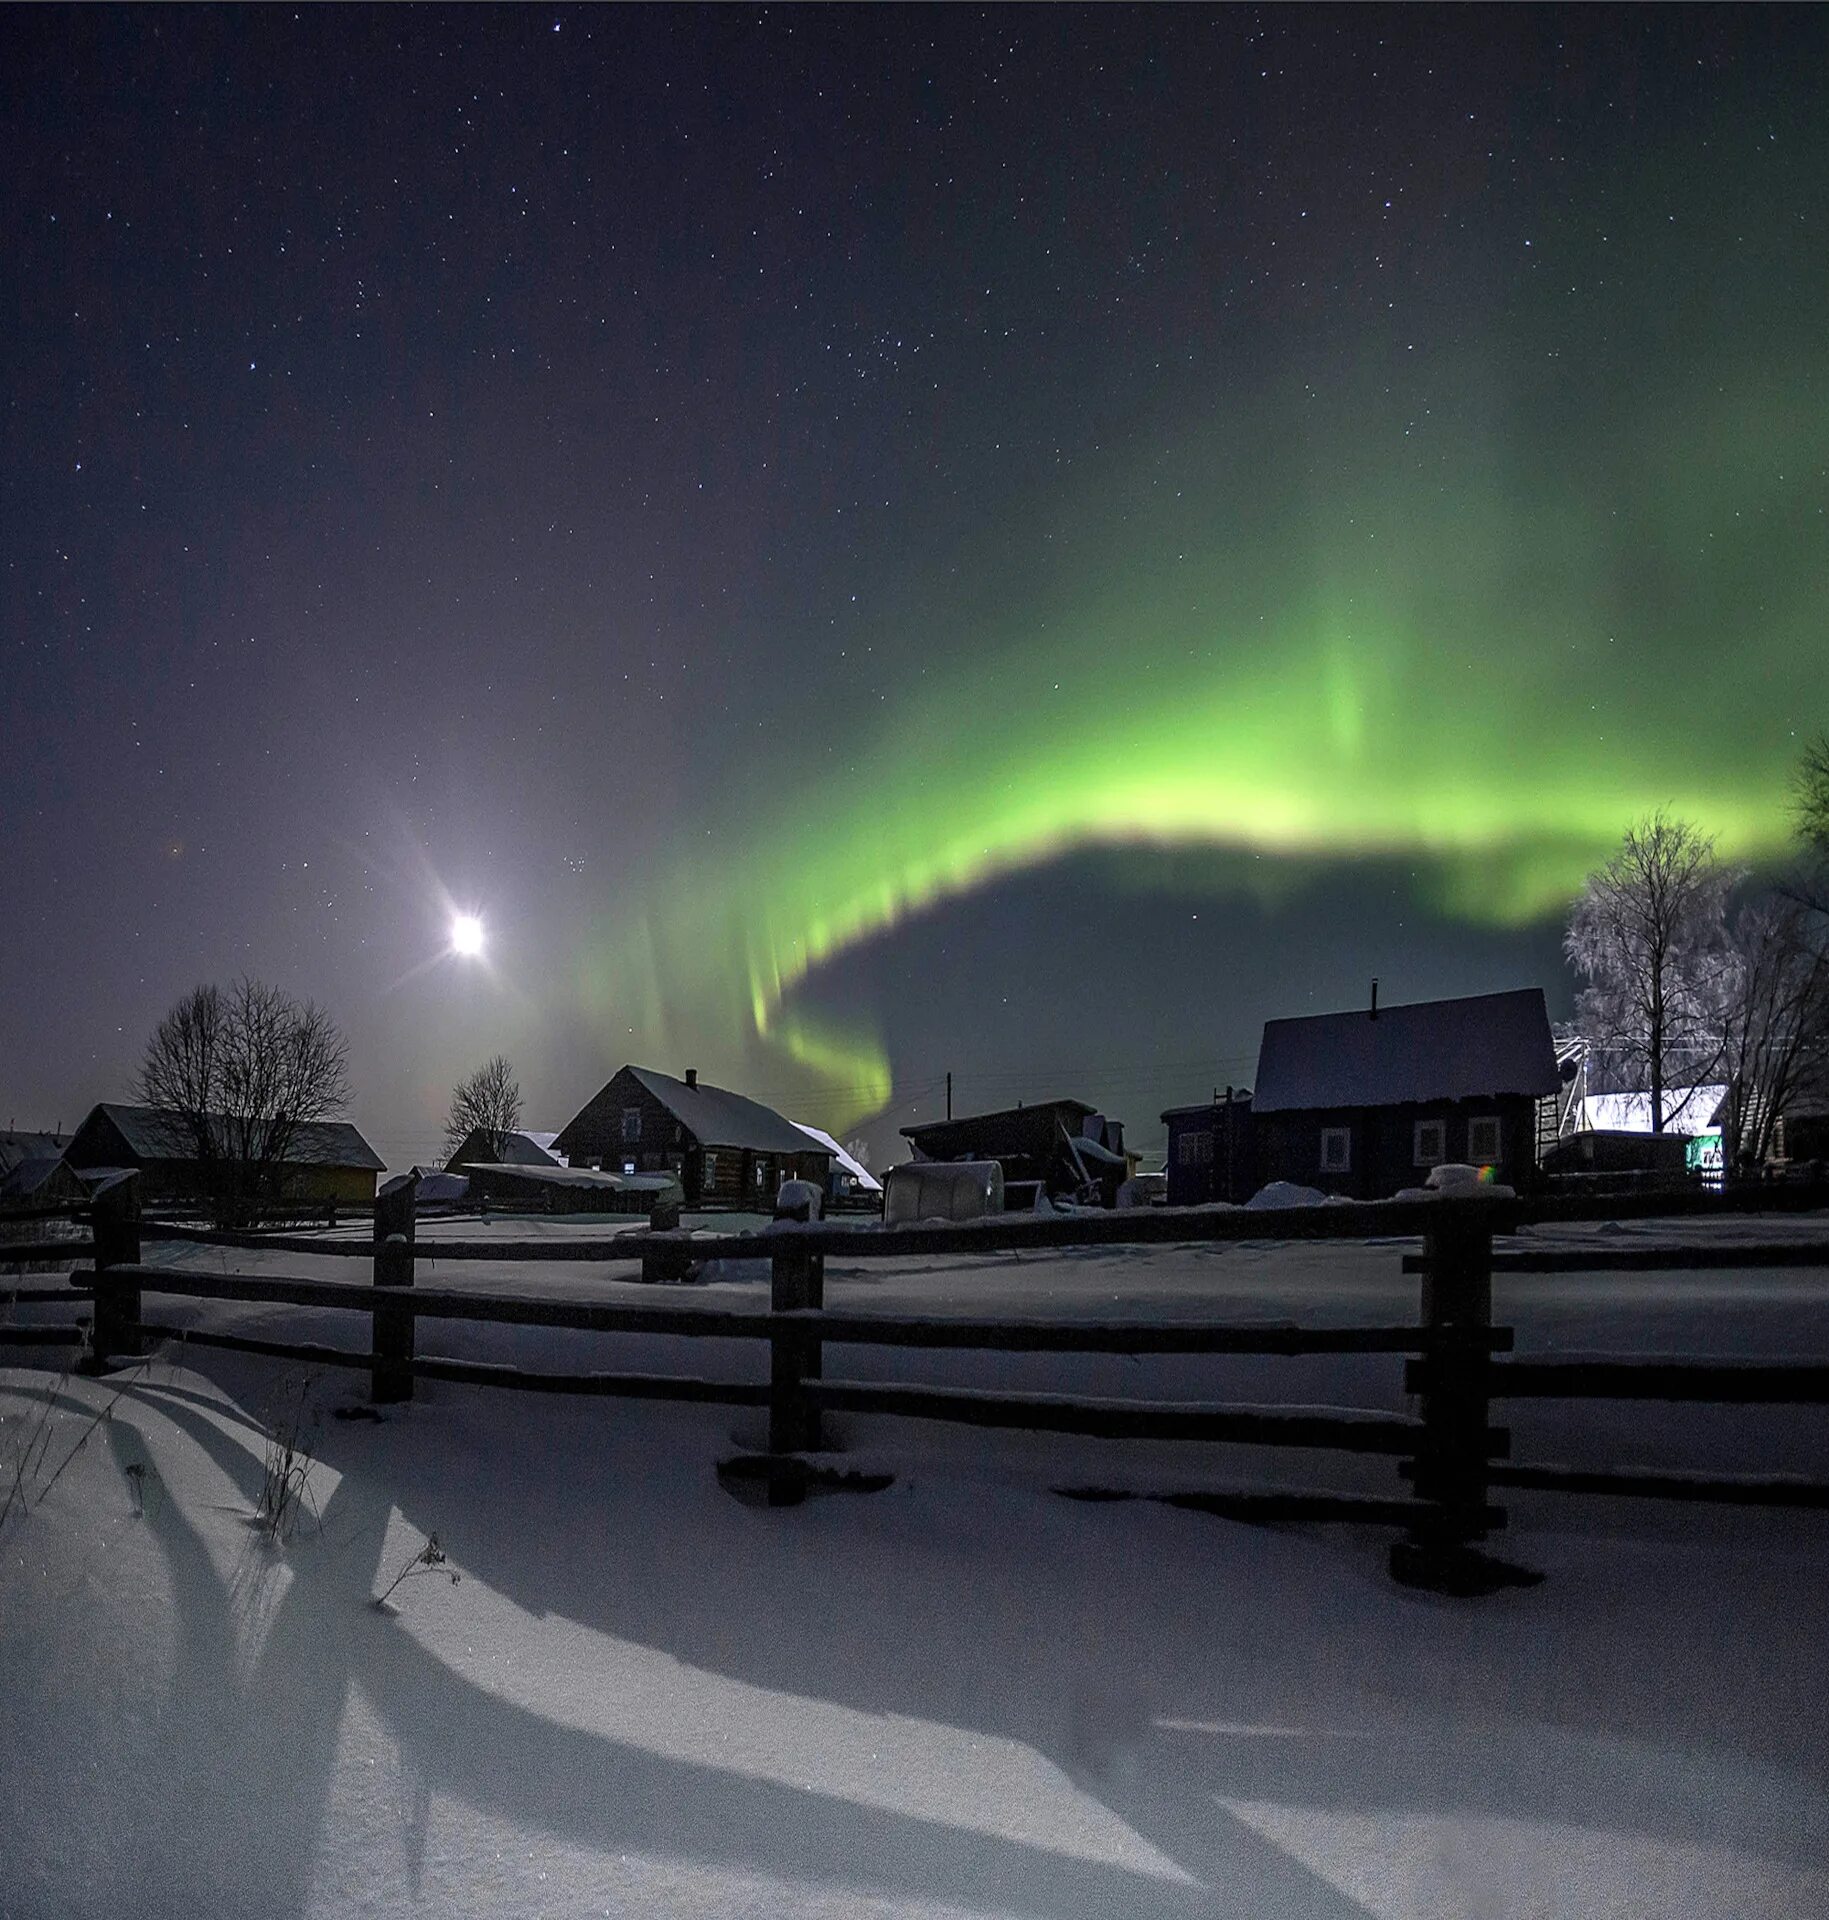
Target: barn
{"type": "Point", "coordinates": [725, 1149]}
{"type": "Point", "coordinates": [1363, 1104]}
{"type": "Point", "coordinates": [327, 1164]}
{"type": "Point", "coordinates": [481, 1147]}
{"type": "Point", "coordinates": [1051, 1146]}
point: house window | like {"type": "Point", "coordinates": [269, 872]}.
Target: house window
{"type": "Point", "coordinates": [711, 1170]}
{"type": "Point", "coordinates": [1195, 1150]}
{"type": "Point", "coordinates": [631, 1123]}
{"type": "Point", "coordinates": [1483, 1147]}
{"type": "Point", "coordinates": [1431, 1139]}
{"type": "Point", "coordinates": [1336, 1149]}
{"type": "Point", "coordinates": [761, 1175]}
{"type": "Point", "coordinates": [628, 1166]}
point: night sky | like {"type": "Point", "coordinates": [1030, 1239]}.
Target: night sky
{"type": "Point", "coordinates": [870, 543]}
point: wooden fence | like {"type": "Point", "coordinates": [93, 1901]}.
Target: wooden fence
{"type": "Point", "coordinates": [1448, 1453]}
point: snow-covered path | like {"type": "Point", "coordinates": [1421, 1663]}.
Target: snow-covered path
{"type": "Point", "coordinates": [961, 1696]}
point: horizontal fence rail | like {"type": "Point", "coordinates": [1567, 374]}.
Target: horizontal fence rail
{"type": "Point", "coordinates": [1457, 1364]}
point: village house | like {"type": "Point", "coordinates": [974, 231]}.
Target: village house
{"type": "Point", "coordinates": [328, 1163]}
{"type": "Point", "coordinates": [1364, 1104]}
{"type": "Point", "coordinates": [724, 1149]}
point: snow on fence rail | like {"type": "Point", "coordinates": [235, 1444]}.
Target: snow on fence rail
{"type": "Point", "coordinates": [1449, 1452]}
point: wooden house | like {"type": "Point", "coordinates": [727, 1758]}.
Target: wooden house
{"type": "Point", "coordinates": [724, 1149]}
{"type": "Point", "coordinates": [1057, 1146]}
{"type": "Point", "coordinates": [1363, 1104]}
{"type": "Point", "coordinates": [1210, 1151]}
{"type": "Point", "coordinates": [327, 1164]}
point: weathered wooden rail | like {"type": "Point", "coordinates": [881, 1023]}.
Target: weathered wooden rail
{"type": "Point", "coordinates": [1448, 1450]}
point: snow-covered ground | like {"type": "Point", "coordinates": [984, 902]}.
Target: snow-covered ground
{"type": "Point", "coordinates": [962, 1696]}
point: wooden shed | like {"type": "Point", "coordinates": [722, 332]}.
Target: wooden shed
{"type": "Point", "coordinates": [1060, 1146]}
{"type": "Point", "coordinates": [725, 1149]}
{"type": "Point", "coordinates": [327, 1163]}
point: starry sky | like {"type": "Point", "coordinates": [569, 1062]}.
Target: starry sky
{"type": "Point", "coordinates": [871, 543]}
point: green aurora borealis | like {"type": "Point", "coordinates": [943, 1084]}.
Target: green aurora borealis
{"type": "Point", "coordinates": [1363, 641]}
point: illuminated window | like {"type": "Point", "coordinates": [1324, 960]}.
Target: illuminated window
{"type": "Point", "coordinates": [1336, 1149]}
{"type": "Point", "coordinates": [1483, 1142]}
{"type": "Point", "coordinates": [1431, 1143]}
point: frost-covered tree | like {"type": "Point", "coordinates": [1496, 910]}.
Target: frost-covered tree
{"type": "Point", "coordinates": [1811, 810]}
{"type": "Point", "coordinates": [490, 1098]}
{"type": "Point", "coordinates": [235, 1074]}
{"type": "Point", "coordinates": [1648, 940]}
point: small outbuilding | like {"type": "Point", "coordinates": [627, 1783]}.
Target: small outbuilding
{"type": "Point", "coordinates": [327, 1163]}
{"type": "Point", "coordinates": [1210, 1155]}
{"type": "Point", "coordinates": [34, 1173]}
{"type": "Point", "coordinates": [482, 1147]}
{"type": "Point", "coordinates": [1364, 1104]}
{"type": "Point", "coordinates": [724, 1149]}
{"type": "Point", "coordinates": [1057, 1147]}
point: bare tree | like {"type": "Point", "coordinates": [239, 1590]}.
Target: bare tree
{"type": "Point", "coordinates": [1648, 938]}
{"type": "Point", "coordinates": [490, 1098]}
{"type": "Point", "coordinates": [1776, 1032]}
{"type": "Point", "coordinates": [235, 1075]}
{"type": "Point", "coordinates": [1810, 810]}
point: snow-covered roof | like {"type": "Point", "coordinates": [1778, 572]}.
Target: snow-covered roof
{"type": "Point", "coordinates": [1482, 1045]}
{"type": "Point", "coordinates": [553, 1175]}
{"type": "Point", "coordinates": [17, 1147]}
{"type": "Point", "coordinates": [1687, 1110]}
{"type": "Point", "coordinates": [522, 1149]}
{"type": "Point", "coordinates": [855, 1168]}
{"type": "Point", "coordinates": [154, 1134]}
{"type": "Point", "coordinates": [717, 1117]}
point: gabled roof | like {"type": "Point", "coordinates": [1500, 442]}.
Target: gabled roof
{"type": "Point", "coordinates": [715, 1117]}
{"type": "Point", "coordinates": [1021, 1116]}
{"type": "Point", "coordinates": [1687, 1110]}
{"type": "Point", "coordinates": [1486, 1044]}
{"type": "Point", "coordinates": [154, 1134]}
{"type": "Point", "coordinates": [16, 1147]}
{"type": "Point", "coordinates": [855, 1168]}
{"type": "Point", "coordinates": [520, 1149]}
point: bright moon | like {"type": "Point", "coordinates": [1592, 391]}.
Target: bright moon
{"type": "Point", "coordinates": [467, 935]}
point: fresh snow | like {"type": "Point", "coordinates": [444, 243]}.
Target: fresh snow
{"type": "Point", "coordinates": [962, 1696]}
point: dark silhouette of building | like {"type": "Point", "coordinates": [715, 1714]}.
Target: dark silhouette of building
{"type": "Point", "coordinates": [1210, 1152]}
{"type": "Point", "coordinates": [1366, 1103]}
{"type": "Point", "coordinates": [1062, 1147]}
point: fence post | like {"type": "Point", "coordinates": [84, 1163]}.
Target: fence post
{"type": "Point", "coordinates": [114, 1215]}
{"type": "Point", "coordinates": [796, 1355]}
{"type": "Point", "coordinates": [391, 1378]}
{"type": "Point", "coordinates": [1450, 1468]}
{"type": "Point", "coordinates": [664, 1268]}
